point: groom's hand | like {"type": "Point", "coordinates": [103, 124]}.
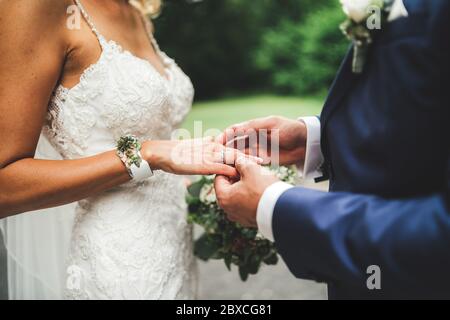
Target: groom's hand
{"type": "Point", "coordinates": [240, 199]}
{"type": "Point", "coordinates": [290, 134]}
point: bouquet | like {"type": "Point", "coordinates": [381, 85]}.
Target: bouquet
{"type": "Point", "coordinates": [226, 240]}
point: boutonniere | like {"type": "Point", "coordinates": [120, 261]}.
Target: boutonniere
{"type": "Point", "coordinates": [363, 18]}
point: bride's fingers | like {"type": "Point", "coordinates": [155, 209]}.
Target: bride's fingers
{"type": "Point", "coordinates": [221, 157]}
{"type": "Point", "coordinates": [220, 169]}
{"type": "Point", "coordinates": [228, 156]}
{"type": "Point", "coordinates": [234, 154]}
{"type": "Point", "coordinates": [225, 156]}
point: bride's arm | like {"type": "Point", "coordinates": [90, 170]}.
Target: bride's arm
{"type": "Point", "coordinates": [32, 54]}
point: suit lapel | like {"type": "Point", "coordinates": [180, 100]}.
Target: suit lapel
{"type": "Point", "coordinates": [342, 84]}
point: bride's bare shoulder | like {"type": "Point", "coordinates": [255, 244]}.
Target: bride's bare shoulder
{"type": "Point", "coordinates": [32, 15]}
{"type": "Point", "coordinates": [34, 6]}
{"type": "Point", "coordinates": [33, 26]}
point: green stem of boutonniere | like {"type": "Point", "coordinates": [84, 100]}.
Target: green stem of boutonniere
{"type": "Point", "coordinates": [361, 33]}
{"type": "Point", "coordinates": [359, 57]}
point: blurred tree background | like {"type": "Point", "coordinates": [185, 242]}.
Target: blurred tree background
{"type": "Point", "coordinates": [240, 47]}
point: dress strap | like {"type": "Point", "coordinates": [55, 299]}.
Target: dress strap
{"type": "Point", "coordinates": [89, 21]}
{"type": "Point", "coordinates": [148, 28]}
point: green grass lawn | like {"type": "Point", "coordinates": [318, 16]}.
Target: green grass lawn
{"type": "Point", "coordinates": [222, 113]}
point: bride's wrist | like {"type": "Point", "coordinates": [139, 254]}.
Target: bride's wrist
{"type": "Point", "coordinates": [151, 153]}
{"type": "Point", "coordinates": [158, 154]}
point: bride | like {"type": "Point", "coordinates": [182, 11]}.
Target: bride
{"type": "Point", "coordinates": [88, 90]}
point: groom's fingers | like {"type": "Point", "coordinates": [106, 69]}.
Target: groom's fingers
{"type": "Point", "coordinates": [245, 166]}
{"type": "Point", "coordinates": [262, 153]}
{"type": "Point", "coordinates": [240, 135]}
{"type": "Point", "coordinates": [226, 136]}
{"type": "Point", "coordinates": [255, 124]}
{"type": "Point", "coordinates": [230, 135]}
{"type": "Point", "coordinates": [222, 184]}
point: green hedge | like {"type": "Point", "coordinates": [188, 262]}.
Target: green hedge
{"type": "Point", "coordinates": [237, 46]}
{"type": "Point", "coordinates": [323, 49]}
{"type": "Point", "coordinates": [303, 57]}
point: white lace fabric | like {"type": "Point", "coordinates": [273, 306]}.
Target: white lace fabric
{"type": "Point", "coordinates": [132, 242]}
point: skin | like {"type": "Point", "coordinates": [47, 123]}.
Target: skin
{"type": "Point", "coordinates": [38, 52]}
{"type": "Point", "coordinates": [291, 135]}
{"type": "Point", "coordinates": [240, 198]}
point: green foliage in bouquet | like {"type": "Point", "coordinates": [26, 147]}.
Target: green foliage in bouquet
{"type": "Point", "coordinates": [226, 240]}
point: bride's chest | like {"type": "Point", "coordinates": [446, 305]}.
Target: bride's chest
{"type": "Point", "coordinates": [120, 94]}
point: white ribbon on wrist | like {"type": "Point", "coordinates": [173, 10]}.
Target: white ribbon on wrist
{"type": "Point", "coordinates": [142, 172]}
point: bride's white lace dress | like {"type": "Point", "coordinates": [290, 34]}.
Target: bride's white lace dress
{"type": "Point", "coordinates": [131, 242]}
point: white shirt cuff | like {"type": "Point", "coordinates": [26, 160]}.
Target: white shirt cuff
{"type": "Point", "coordinates": [266, 206]}
{"type": "Point", "coordinates": [311, 167]}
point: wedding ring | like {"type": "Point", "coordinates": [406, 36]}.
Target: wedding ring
{"type": "Point", "coordinates": [222, 156]}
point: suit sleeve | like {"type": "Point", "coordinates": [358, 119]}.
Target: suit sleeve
{"type": "Point", "coordinates": [334, 237]}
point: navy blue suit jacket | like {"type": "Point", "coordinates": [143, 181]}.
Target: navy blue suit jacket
{"type": "Point", "coordinates": [386, 142]}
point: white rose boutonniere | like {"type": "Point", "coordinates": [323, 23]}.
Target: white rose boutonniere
{"type": "Point", "coordinates": [364, 16]}
{"type": "Point", "coordinates": [358, 10]}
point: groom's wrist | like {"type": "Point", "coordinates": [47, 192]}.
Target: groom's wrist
{"type": "Point", "coordinates": [310, 166]}
{"type": "Point", "coordinates": [266, 206]}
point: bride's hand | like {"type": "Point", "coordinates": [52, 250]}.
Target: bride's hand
{"type": "Point", "coordinates": [192, 157]}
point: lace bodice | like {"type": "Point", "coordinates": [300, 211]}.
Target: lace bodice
{"type": "Point", "coordinates": [131, 242]}
{"type": "Point", "coordinates": [119, 94]}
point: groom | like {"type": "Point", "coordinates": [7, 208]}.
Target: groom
{"type": "Point", "coordinates": [383, 140]}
